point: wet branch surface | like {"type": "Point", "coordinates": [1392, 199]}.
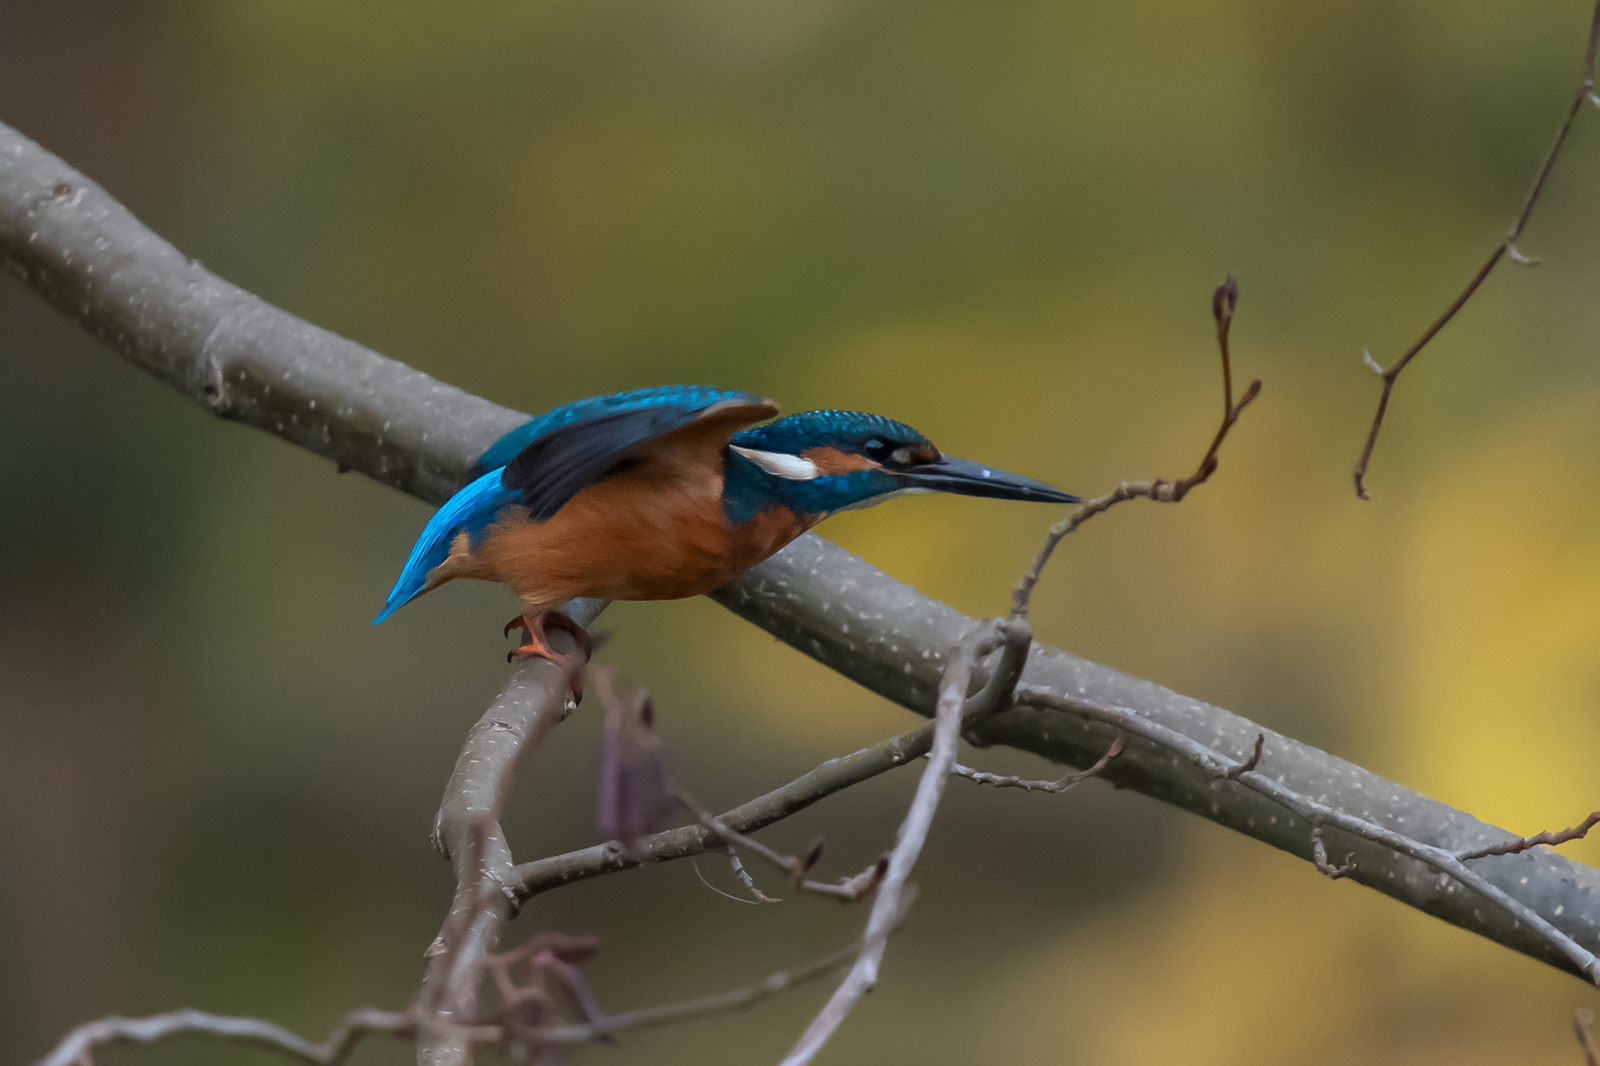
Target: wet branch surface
{"type": "Point", "coordinates": [246, 361]}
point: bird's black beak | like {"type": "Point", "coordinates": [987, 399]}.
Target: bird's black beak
{"type": "Point", "coordinates": [974, 479]}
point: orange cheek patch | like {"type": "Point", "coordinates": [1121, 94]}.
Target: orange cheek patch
{"type": "Point", "coordinates": [833, 461]}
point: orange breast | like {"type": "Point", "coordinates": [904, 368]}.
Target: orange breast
{"type": "Point", "coordinates": [653, 532]}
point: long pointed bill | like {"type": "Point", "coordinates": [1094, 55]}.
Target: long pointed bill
{"type": "Point", "coordinates": [974, 479]}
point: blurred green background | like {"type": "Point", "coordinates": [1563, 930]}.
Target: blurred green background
{"type": "Point", "coordinates": [1001, 222]}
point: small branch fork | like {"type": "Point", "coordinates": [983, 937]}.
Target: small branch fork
{"type": "Point", "coordinates": [1059, 785]}
{"type": "Point", "coordinates": [1320, 817]}
{"type": "Point", "coordinates": [1506, 249]}
{"type": "Point", "coordinates": [77, 1048]}
{"type": "Point", "coordinates": [1223, 304]}
{"type": "Point", "coordinates": [846, 890]}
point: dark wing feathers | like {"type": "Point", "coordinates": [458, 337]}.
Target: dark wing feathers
{"type": "Point", "coordinates": [562, 459]}
{"type": "Point", "coordinates": [688, 397]}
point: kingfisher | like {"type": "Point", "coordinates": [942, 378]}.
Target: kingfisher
{"type": "Point", "coordinates": [663, 493]}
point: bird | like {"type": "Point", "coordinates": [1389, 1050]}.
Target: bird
{"type": "Point", "coordinates": [668, 492]}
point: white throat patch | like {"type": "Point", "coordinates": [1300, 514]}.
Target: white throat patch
{"type": "Point", "coordinates": [780, 464]}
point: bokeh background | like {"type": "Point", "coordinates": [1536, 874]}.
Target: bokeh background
{"type": "Point", "coordinates": [1001, 222]}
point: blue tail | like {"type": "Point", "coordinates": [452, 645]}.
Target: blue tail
{"type": "Point", "coordinates": [471, 509]}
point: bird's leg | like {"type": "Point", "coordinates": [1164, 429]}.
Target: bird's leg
{"type": "Point", "coordinates": [536, 626]}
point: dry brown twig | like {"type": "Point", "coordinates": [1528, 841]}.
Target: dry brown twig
{"type": "Point", "coordinates": [1223, 304]}
{"type": "Point", "coordinates": [1319, 857]}
{"type": "Point", "coordinates": [847, 889]}
{"type": "Point", "coordinates": [1521, 844]}
{"type": "Point", "coordinates": [1506, 249]}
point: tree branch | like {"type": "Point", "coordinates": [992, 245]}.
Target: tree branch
{"type": "Point", "coordinates": [531, 878]}
{"type": "Point", "coordinates": [722, 1003]}
{"type": "Point", "coordinates": [1507, 248]}
{"type": "Point", "coordinates": [102, 268]}
{"type": "Point", "coordinates": [1319, 816]}
{"type": "Point", "coordinates": [77, 1047]}
{"type": "Point", "coordinates": [467, 830]}
{"type": "Point", "coordinates": [1224, 301]}
{"type": "Point", "coordinates": [863, 976]}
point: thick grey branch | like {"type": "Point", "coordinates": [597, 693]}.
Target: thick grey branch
{"type": "Point", "coordinates": [467, 830]}
{"type": "Point", "coordinates": [244, 359]}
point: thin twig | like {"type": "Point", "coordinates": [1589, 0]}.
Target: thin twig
{"type": "Point", "coordinates": [737, 999]}
{"type": "Point", "coordinates": [541, 875]}
{"type": "Point", "coordinates": [913, 832]}
{"type": "Point", "coordinates": [1318, 815]}
{"type": "Point", "coordinates": [1059, 785]}
{"type": "Point", "coordinates": [1507, 248]}
{"type": "Point", "coordinates": [1223, 303]}
{"type": "Point", "coordinates": [1252, 762]}
{"type": "Point", "coordinates": [746, 880]}
{"type": "Point", "coordinates": [1582, 1019]}
{"type": "Point", "coordinates": [1521, 844]}
{"type": "Point", "coordinates": [77, 1047]}
{"type": "Point", "coordinates": [846, 889]}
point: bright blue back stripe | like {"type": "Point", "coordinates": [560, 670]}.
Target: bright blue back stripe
{"type": "Point", "coordinates": [471, 509]}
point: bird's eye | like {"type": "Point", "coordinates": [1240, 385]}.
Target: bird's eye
{"type": "Point", "coordinates": [876, 449]}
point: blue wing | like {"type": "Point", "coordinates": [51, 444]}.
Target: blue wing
{"type": "Point", "coordinates": [679, 397]}
{"type": "Point", "coordinates": [543, 463]}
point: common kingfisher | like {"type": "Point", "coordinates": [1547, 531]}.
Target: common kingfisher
{"type": "Point", "coordinates": [663, 493]}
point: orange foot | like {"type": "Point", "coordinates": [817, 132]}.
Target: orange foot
{"type": "Point", "coordinates": [538, 646]}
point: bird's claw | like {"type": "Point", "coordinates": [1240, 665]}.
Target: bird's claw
{"type": "Point", "coordinates": [539, 647]}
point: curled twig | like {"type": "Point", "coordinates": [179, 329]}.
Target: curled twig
{"type": "Point", "coordinates": [1319, 858]}
{"type": "Point", "coordinates": [1506, 249]}
{"type": "Point", "coordinates": [1251, 763]}
{"type": "Point", "coordinates": [1223, 303]}
{"type": "Point", "coordinates": [1521, 844]}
